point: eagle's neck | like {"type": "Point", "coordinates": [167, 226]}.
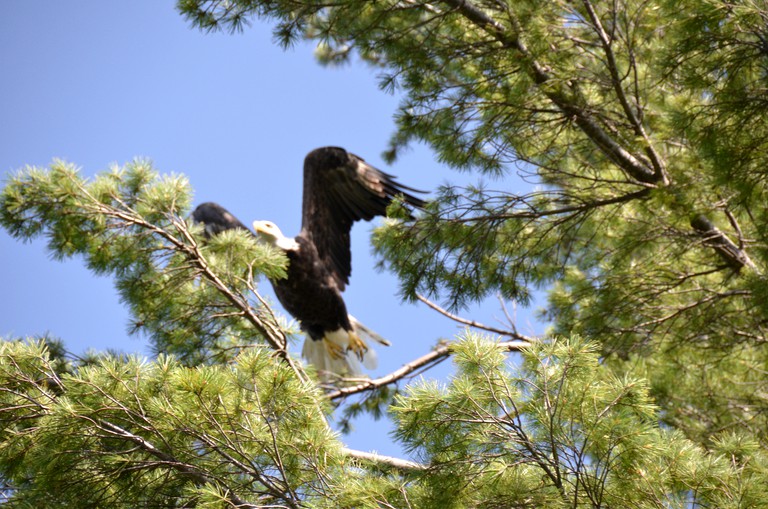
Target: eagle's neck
{"type": "Point", "coordinates": [287, 243]}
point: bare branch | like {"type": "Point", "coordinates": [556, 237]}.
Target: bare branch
{"type": "Point", "coordinates": [735, 225]}
{"type": "Point", "coordinates": [472, 323]}
{"type": "Point", "coordinates": [381, 460]}
{"type": "Point", "coordinates": [435, 355]}
{"type": "Point", "coordinates": [510, 319]}
{"type": "Point", "coordinates": [719, 241]}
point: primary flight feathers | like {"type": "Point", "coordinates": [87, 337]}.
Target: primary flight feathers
{"type": "Point", "coordinates": [339, 189]}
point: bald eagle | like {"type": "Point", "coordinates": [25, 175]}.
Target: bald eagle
{"type": "Point", "coordinates": [339, 189]}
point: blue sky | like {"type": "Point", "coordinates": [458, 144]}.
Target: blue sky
{"type": "Point", "coordinates": [96, 83]}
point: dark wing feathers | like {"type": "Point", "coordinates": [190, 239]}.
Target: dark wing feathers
{"type": "Point", "coordinates": [216, 219]}
{"type": "Point", "coordinates": [339, 189]}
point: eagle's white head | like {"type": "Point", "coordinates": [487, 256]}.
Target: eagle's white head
{"type": "Point", "coordinates": [272, 234]}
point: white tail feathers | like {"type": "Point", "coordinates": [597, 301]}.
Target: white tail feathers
{"type": "Point", "coordinates": [328, 366]}
{"type": "Point", "coordinates": [337, 354]}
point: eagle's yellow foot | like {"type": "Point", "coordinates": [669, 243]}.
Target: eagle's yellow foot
{"type": "Point", "coordinates": [334, 350]}
{"type": "Point", "coordinates": [357, 345]}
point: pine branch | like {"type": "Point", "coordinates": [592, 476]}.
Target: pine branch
{"type": "Point", "coordinates": [274, 336]}
{"type": "Point", "coordinates": [650, 171]}
{"type": "Point", "coordinates": [196, 475]}
{"type": "Point", "coordinates": [568, 101]}
{"type": "Point", "coordinates": [380, 459]}
{"type": "Point", "coordinates": [629, 113]}
{"type": "Point", "coordinates": [568, 210]}
{"type": "Point", "coordinates": [434, 356]}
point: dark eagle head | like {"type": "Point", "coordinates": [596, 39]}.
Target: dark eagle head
{"type": "Point", "coordinates": [327, 157]}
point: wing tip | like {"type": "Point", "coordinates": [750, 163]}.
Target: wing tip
{"type": "Point", "coordinates": [216, 219]}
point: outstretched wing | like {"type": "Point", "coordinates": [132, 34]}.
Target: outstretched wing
{"type": "Point", "coordinates": [339, 189]}
{"type": "Point", "coordinates": [216, 219]}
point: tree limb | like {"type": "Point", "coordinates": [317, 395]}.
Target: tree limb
{"type": "Point", "coordinates": [567, 100]}
{"type": "Point", "coordinates": [733, 255]}
{"type": "Point", "coordinates": [380, 459]}
{"type": "Point", "coordinates": [434, 356]}
{"type": "Point", "coordinates": [629, 112]}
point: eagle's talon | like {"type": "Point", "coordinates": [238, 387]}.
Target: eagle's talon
{"type": "Point", "coordinates": [357, 345]}
{"type": "Point", "coordinates": [334, 350]}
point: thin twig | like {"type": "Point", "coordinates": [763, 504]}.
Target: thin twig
{"type": "Point", "coordinates": [735, 225]}
{"type": "Point", "coordinates": [571, 210]}
{"type": "Point", "coordinates": [472, 323]}
{"type": "Point", "coordinates": [509, 318]}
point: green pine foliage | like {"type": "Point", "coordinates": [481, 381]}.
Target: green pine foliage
{"type": "Point", "coordinates": [132, 433]}
{"type": "Point", "coordinates": [129, 223]}
{"type": "Point", "coordinates": [559, 431]}
{"type": "Point", "coordinates": [641, 127]}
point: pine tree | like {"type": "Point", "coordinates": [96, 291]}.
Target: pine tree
{"type": "Point", "coordinates": [642, 126]}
